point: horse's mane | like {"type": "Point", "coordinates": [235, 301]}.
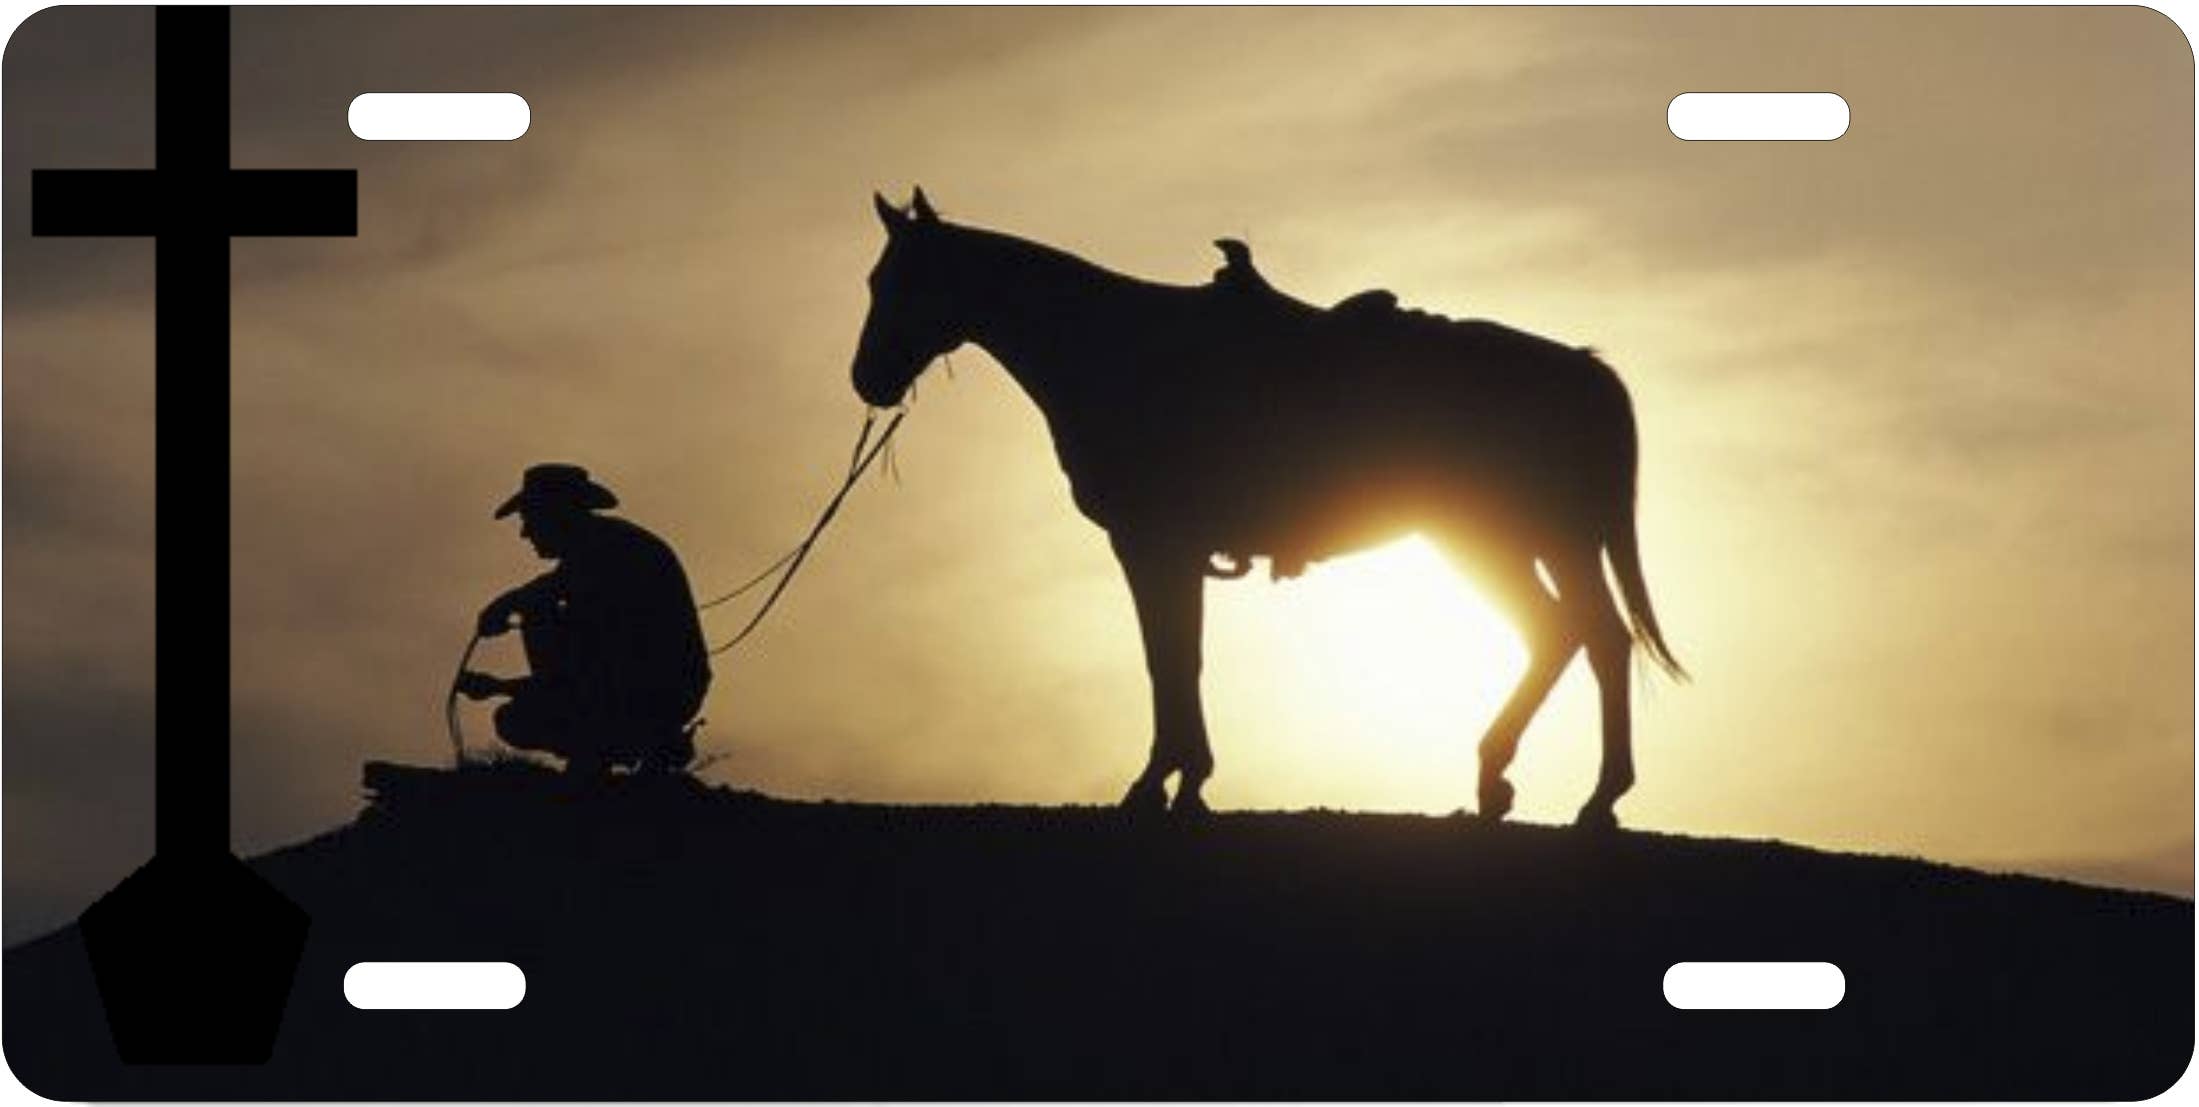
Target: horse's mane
{"type": "Point", "coordinates": [1015, 247]}
{"type": "Point", "coordinates": [1370, 303]}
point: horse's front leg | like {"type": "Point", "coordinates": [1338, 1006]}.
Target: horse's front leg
{"type": "Point", "coordinates": [1168, 586]}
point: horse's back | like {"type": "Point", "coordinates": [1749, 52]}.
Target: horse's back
{"type": "Point", "coordinates": [1270, 427]}
{"type": "Point", "coordinates": [1415, 373]}
{"type": "Point", "coordinates": [1323, 441]}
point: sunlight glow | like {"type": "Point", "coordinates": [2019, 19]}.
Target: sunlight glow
{"type": "Point", "coordinates": [1399, 631]}
{"type": "Point", "coordinates": [1381, 670]}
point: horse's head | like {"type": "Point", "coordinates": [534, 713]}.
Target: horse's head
{"type": "Point", "coordinates": [914, 314]}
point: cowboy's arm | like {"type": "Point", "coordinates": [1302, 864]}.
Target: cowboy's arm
{"type": "Point", "coordinates": [535, 595]}
{"type": "Point", "coordinates": [476, 685]}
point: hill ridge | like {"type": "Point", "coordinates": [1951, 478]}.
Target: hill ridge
{"type": "Point", "coordinates": [687, 940]}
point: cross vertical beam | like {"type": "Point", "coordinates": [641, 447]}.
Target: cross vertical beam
{"type": "Point", "coordinates": [191, 430]}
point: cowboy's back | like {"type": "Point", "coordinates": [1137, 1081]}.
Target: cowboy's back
{"type": "Point", "coordinates": [633, 641]}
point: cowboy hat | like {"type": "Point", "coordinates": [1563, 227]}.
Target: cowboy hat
{"type": "Point", "coordinates": [554, 484]}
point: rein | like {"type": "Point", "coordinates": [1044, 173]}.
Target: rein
{"type": "Point", "coordinates": [858, 462]}
{"type": "Point", "coordinates": [788, 564]}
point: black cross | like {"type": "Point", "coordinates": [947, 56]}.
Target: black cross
{"type": "Point", "coordinates": [191, 203]}
{"type": "Point", "coordinates": [193, 953]}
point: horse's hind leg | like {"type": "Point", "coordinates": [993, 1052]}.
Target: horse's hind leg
{"type": "Point", "coordinates": [1168, 587]}
{"type": "Point", "coordinates": [1610, 646]}
{"type": "Point", "coordinates": [1550, 645]}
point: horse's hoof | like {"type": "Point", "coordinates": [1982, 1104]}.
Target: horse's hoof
{"type": "Point", "coordinates": [1496, 799]}
{"type": "Point", "coordinates": [1596, 818]}
{"type": "Point", "coordinates": [1144, 798]}
{"type": "Point", "coordinates": [1190, 805]}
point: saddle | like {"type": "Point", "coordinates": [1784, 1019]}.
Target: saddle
{"type": "Point", "coordinates": [1239, 277]}
{"type": "Point", "coordinates": [1242, 288]}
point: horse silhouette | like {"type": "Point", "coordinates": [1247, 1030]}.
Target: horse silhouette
{"type": "Point", "coordinates": [1203, 426]}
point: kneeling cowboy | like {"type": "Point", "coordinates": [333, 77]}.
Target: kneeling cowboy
{"type": "Point", "coordinates": [616, 662]}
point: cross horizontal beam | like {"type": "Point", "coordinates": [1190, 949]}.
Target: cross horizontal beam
{"type": "Point", "coordinates": [138, 202]}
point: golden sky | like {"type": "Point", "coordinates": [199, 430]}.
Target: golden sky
{"type": "Point", "coordinates": [1916, 405]}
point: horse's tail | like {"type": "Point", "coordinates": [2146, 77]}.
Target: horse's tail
{"type": "Point", "coordinates": [1626, 558]}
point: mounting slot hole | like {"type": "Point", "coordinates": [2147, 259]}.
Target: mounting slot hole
{"type": "Point", "coordinates": [1755, 985]}
{"type": "Point", "coordinates": [435, 985]}
{"type": "Point", "coordinates": [439, 116]}
{"type": "Point", "coordinates": [1757, 116]}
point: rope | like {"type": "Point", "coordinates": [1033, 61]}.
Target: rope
{"type": "Point", "coordinates": [859, 462]}
{"type": "Point", "coordinates": [855, 465]}
{"type": "Point", "coordinates": [450, 704]}
{"type": "Point", "coordinates": [750, 583]}
{"type": "Point", "coordinates": [855, 456]}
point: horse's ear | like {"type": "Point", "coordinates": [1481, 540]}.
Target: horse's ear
{"type": "Point", "coordinates": [922, 208]}
{"type": "Point", "coordinates": [887, 213]}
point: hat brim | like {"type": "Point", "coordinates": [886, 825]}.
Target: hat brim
{"type": "Point", "coordinates": [588, 497]}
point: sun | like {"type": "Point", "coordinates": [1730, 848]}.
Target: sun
{"type": "Point", "coordinates": [1369, 680]}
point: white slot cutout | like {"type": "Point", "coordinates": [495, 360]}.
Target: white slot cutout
{"type": "Point", "coordinates": [435, 985]}
{"type": "Point", "coordinates": [439, 116]}
{"type": "Point", "coordinates": [1757, 116]}
{"type": "Point", "coordinates": [1755, 985]}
